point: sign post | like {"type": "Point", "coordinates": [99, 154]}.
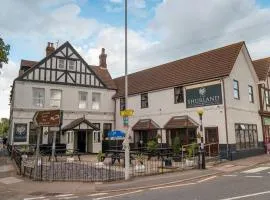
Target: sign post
{"type": "Point", "coordinates": [48, 118]}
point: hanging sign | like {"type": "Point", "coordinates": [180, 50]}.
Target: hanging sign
{"type": "Point", "coordinates": [204, 96]}
{"type": "Point", "coordinates": [48, 118]}
{"type": "Point", "coordinates": [127, 113]}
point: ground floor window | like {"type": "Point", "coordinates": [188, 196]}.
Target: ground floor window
{"type": "Point", "coordinates": [186, 135]}
{"type": "Point", "coordinates": [107, 127]}
{"type": "Point", "coordinates": [33, 134]}
{"type": "Point", "coordinates": [143, 137]}
{"type": "Point", "coordinates": [246, 136]}
{"type": "Point", "coordinates": [96, 133]}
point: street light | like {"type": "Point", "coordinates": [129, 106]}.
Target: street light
{"type": "Point", "coordinates": [200, 112]}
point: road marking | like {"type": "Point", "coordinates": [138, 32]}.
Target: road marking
{"type": "Point", "coordinates": [170, 186]}
{"type": "Point", "coordinates": [33, 198]}
{"type": "Point", "coordinates": [63, 195]}
{"type": "Point", "coordinates": [258, 169]}
{"type": "Point", "coordinates": [97, 194]}
{"type": "Point", "coordinates": [248, 195]}
{"type": "Point", "coordinates": [233, 175]}
{"type": "Point", "coordinates": [253, 176]}
{"type": "Point", "coordinates": [73, 197]}
{"type": "Point", "coordinates": [206, 179]}
{"type": "Point", "coordinates": [118, 195]}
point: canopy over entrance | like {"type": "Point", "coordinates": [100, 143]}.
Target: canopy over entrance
{"type": "Point", "coordinates": [145, 124]}
{"type": "Point", "coordinates": [76, 124]}
{"type": "Point", "coordinates": [181, 122]}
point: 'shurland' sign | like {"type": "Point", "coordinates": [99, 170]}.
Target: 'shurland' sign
{"type": "Point", "coordinates": [48, 118]}
{"type": "Point", "coordinates": [204, 96]}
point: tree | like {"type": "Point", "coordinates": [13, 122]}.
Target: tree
{"type": "Point", "coordinates": [4, 125]}
{"type": "Point", "coordinates": [4, 52]}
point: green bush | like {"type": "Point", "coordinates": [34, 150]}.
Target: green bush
{"type": "Point", "coordinates": [152, 146]}
{"type": "Point", "coordinates": [176, 146]}
{"type": "Point", "coordinates": [100, 156]}
{"type": "Point", "coordinates": [192, 149]}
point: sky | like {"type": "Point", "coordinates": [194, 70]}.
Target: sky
{"type": "Point", "coordinates": [159, 31]}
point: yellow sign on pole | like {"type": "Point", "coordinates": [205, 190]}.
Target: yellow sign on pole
{"type": "Point", "coordinates": [127, 113]}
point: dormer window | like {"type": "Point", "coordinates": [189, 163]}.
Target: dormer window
{"type": "Point", "coordinates": [71, 65]}
{"type": "Point", "coordinates": [61, 63]}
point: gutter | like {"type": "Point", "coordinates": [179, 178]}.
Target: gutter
{"type": "Point", "coordinates": [225, 115]}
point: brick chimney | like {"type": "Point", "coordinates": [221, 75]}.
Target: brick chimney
{"type": "Point", "coordinates": [49, 49]}
{"type": "Point", "coordinates": [102, 59]}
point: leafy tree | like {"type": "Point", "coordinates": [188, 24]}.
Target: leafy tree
{"type": "Point", "coordinates": [4, 125]}
{"type": "Point", "coordinates": [4, 52]}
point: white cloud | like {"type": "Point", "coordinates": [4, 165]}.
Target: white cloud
{"type": "Point", "coordinates": [8, 73]}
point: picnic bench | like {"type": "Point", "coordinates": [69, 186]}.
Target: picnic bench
{"type": "Point", "coordinates": [118, 155]}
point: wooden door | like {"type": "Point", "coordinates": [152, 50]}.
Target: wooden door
{"type": "Point", "coordinates": [211, 141]}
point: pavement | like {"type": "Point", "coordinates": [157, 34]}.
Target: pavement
{"type": "Point", "coordinates": [13, 186]}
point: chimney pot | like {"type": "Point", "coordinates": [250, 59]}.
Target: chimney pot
{"type": "Point", "coordinates": [102, 59]}
{"type": "Point", "coordinates": [49, 49]}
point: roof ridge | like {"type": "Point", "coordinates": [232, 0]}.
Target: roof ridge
{"type": "Point", "coordinates": [189, 57]}
{"type": "Point", "coordinates": [261, 59]}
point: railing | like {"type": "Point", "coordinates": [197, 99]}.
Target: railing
{"type": "Point", "coordinates": [212, 149]}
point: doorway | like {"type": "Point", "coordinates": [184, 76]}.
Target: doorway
{"type": "Point", "coordinates": [211, 141]}
{"type": "Point", "coordinates": [81, 141]}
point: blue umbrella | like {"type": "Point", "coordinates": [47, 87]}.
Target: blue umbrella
{"type": "Point", "coordinates": [116, 134]}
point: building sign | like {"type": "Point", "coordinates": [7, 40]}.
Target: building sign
{"type": "Point", "coordinates": [20, 133]}
{"type": "Point", "coordinates": [48, 118]}
{"type": "Point", "coordinates": [204, 96]}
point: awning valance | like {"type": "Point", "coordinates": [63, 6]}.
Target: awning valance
{"type": "Point", "coordinates": [181, 122]}
{"type": "Point", "coordinates": [145, 124]}
{"type": "Point", "coordinates": [72, 125]}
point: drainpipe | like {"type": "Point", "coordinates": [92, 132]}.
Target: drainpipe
{"type": "Point", "coordinates": [225, 115]}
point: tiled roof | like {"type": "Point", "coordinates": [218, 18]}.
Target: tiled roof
{"type": "Point", "coordinates": [145, 124]}
{"type": "Point", "coordinates": [261, 67]}
{"type": "Point", "coordinates": [180, 122]}
{"type": "Point", "coordinates": [104, 75]}
{"type": "Point", "coordinates": [77, 122]}
{"type": "Point", "coordinates": [204, 66]}
{"type": "Point", "coordinates": [28, 63]}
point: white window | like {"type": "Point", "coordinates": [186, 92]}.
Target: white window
{"type": "Point", "coordinates": [83, 100]}
{"type": "Point", "coordinates": [71, 65]}
{"type": "Point", "coordinates": [56, 96]}
{"type": "Point", "coordinates": [95, 101]}
{"type": "Point", "coordinates": [61, 63]}
{"type": "Point", "coordinates": [38, 97]}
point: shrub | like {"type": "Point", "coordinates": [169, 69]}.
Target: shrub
{"type": "Point", "coordinates": [176, 146]}
{"type": "Point", "coordinates": [152, 146]}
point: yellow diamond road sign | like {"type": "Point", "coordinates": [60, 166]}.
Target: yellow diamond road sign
{"type": "Point", "coordinates": [127, 113]}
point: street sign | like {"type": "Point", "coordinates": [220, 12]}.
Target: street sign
{"type": "Point", "coordinates": [125, 121]}
{"type": "Point", "coordinates": [48, 118]}
{"type": "Point", "coordinates": [127, 113]}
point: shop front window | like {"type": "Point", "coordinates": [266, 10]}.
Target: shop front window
{"type": "Point", "coordinates": [246, 136]}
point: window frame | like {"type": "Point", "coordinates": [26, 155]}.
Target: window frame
{"type": "Point", "coordinates": [96, 134]}
{"type": "Point", "coordinates": [71, 65]}
{"type": "Point", "coordinates": [105, 131]}
{"type": "Point", "coordinates": [38, 98]}
{"type": "Point", "coordinates": [61, 64]}
{"type": "Point", "coordinates": [86, 101]}
{"type": "Point", "coordinates": [246, 136]}
{"type": "Point", "coordinates": [267, 97]}
{"type": "Point", "coordinates": [236, 89]}
{"type": "Point", "coordinates": [51, 99]}
{"type": "Point", "coordinates": [250, 94]}
{"type": "Point", "coordinates": [144, 100]}
{"type": "Point", "coordinates": [180, 95]}
{"type": "Point", "coordinates": [99, 107]}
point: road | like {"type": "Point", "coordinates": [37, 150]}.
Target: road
{"type": "Point", "coordinates": [248, 184]}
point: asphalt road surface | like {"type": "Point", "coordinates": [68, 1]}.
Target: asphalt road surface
{"type": "Point", "coordinates": [251, 184]}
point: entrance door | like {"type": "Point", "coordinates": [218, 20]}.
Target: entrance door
{"type": "Point", "coordinates": [211, 141]}
{"type": "Point", "coordinates": [81, 141]}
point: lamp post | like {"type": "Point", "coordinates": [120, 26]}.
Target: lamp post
{"type": "Point", "coordinates": [201, 163]}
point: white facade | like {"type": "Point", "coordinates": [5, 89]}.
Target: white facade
{"type": "Point", "coordinates": [162, 107]}
{"type": "Point", "coordinates": [96, 106]}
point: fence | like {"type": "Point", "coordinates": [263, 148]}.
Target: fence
{"type": "Point", "coordinates": [99, 172]}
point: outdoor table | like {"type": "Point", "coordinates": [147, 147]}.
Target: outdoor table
{"type": "Point", "coordinates": [116, 155]}
{"type": "Point", "coordinates": [62, 152]}
{"type": "Point", "coordinates": [161, 152]}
